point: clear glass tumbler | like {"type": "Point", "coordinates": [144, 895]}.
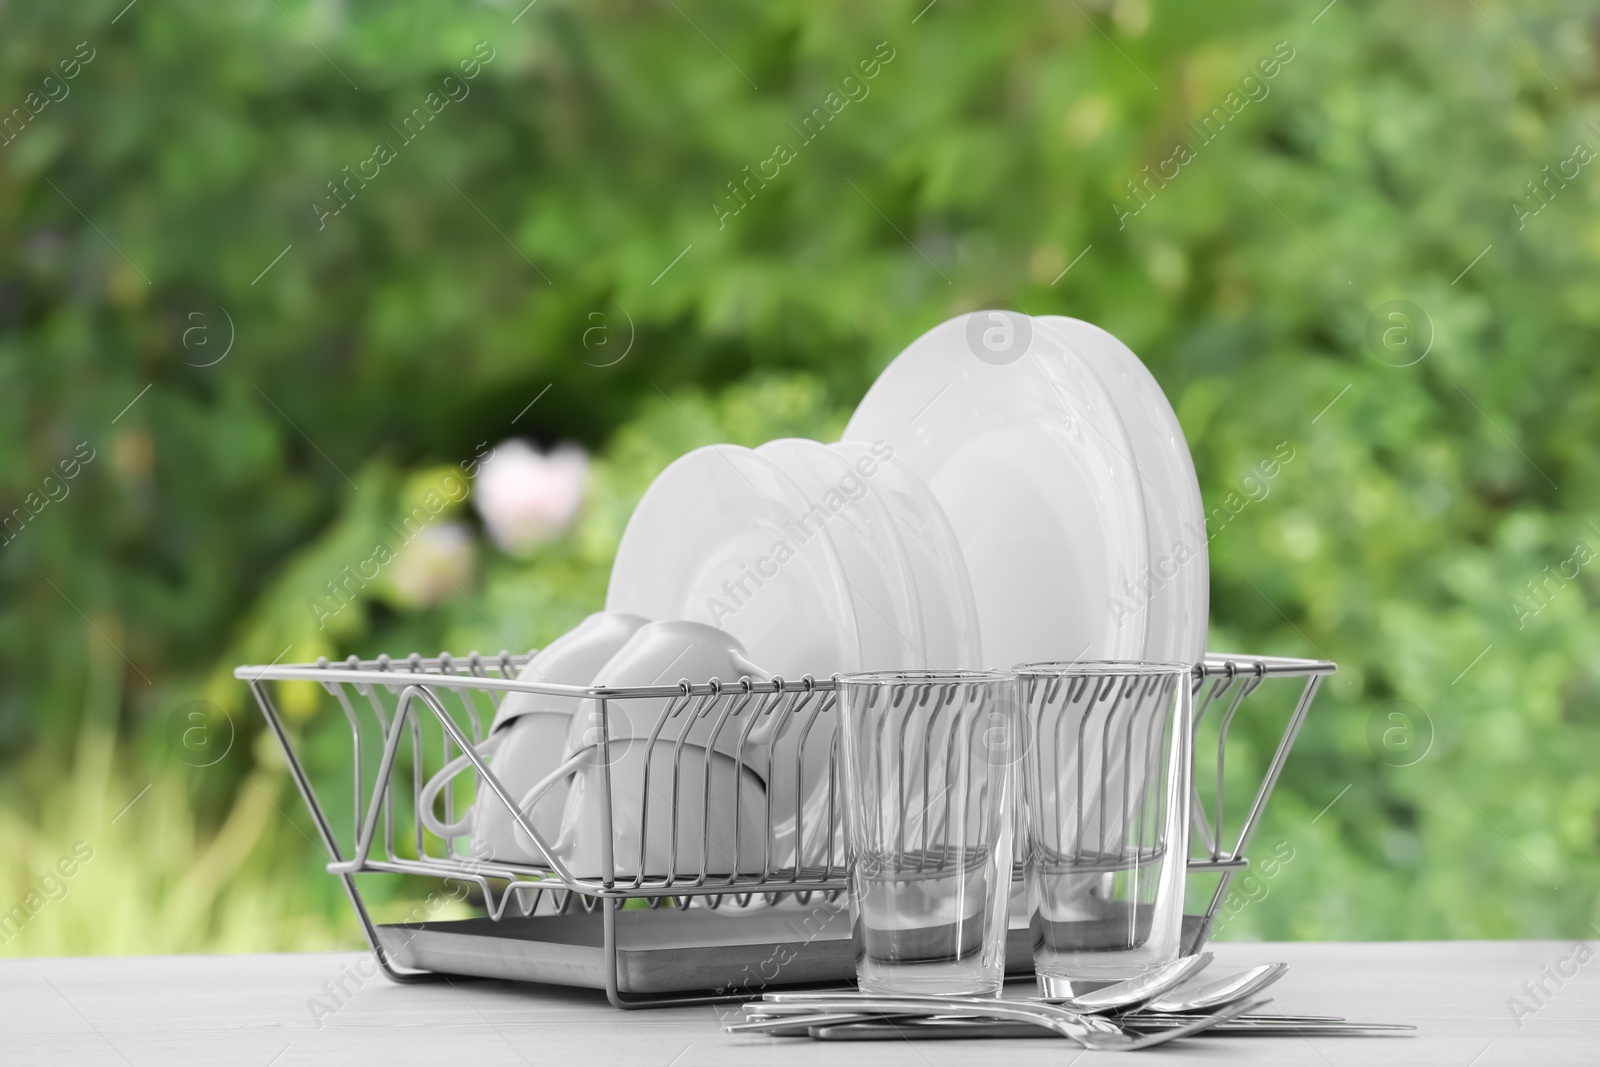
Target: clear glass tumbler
{"type": "Point", "coordinates": [1106, 784]}
{"type": "Point", "coordinates": [928, 760]}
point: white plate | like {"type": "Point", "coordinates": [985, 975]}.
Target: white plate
{"type": "Point", "coordinates": [849, 501]}
{"type": "Point", "coordinates": [862, 528]}
{"type": "Point", "coordinates": [1031, 466]}
{"type": "Point", "coordinates": [943, 592]}
{"type": "Point", "coordinates": [1175, 587]}
{"type": "Point", "coordinates": [714, 540]}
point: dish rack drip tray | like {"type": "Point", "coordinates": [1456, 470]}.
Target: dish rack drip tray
{"type": "Point", "coordinates": [661, 927]}
{"type": "Point", "coordinates": [656, 952]}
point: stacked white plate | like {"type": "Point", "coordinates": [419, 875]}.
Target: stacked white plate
{"type": "Point", "coordinates": [1065, 476]}
{"type": "Point", "coordinates": [1011, 489]}
{"type": "Point", "coordinates": [984, 509]}
{"type": "Point", "coordinates": [818, 558]}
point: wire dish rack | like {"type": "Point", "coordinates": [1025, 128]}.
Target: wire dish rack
{"type": "Point", "coordinates": [653, 888]}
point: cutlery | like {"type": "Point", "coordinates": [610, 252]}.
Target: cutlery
{"type": "Point", "coordinates": [1270, 1021]}
{"type": "Point", "coordinates": [980, 1029]}
{"type": "Point", "coordinates": [856, 1007]}
{"type": "Point", "coordinates": [770, 1019]}
{"type": "Point", "coordinates": [1136, 992]}
{"type": "Point", "coordinates": [1066, 1023]}
{"type": "Point", "coordinates": [791, 1014]}
{"type": "Point", "coordinates": [1125, 1041]}
{"type": "Point", "coordinates": [1117, 997]}
{"type": "Point", "coordinates": [799, 1023]}
{"type": "Point", "coordinates": [1215, 994]}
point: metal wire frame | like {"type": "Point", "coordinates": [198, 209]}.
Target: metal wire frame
{"type": "Point", "coordinates": [1100, 738]}
{"type": "Point", "coordinates": [1224, 681]}
{"type": "Point", "coordinates": [930, 826]}
{"type": "Point", "coordinates": [399, 696]}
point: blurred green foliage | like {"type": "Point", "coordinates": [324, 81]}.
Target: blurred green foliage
{"type": "Point", "coordinates": [179, 182]}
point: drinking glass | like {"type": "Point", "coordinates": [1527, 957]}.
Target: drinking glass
{"type": "Point", "coordinates": [928, 760]}
{"type": "Point", "coordinates": [1106, 784]}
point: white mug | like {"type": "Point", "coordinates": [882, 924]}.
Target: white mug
{"type": "Point", "coordinates": [525, 742]}
{"type": "Point", "coordinates": [709, 816]}
{"type": "Point", "coordinates": [665, 653]}
{"type": "Point", "coordinates": [734, 833]}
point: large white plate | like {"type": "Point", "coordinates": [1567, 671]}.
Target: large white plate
{"type": "Point", "coordinates": [950, 631]}
{"type": "Point", "coordinates": [862, 529]}
{"type": "Point", "coordinates": [715, 540]}
{"type": "Point", "coordinates": [1031, 466]}
{"type": "Point", "coordinates": [1174, 588]}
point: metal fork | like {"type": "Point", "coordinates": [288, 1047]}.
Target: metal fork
{"type": "Point", "coordinates": [1115, 998]}
{"type": "Point", "coordinates": [769, 1017]}
{"type": "Point", "coordinates": [1105, 1037]}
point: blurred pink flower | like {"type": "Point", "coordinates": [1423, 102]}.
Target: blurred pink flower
{"type": "Point", "coordinates": [526, 497]}
{"type": "Point", "coordinates": [434, 564]}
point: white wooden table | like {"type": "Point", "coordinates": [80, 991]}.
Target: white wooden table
{"type": "Point", "coordinates": [252, 1011]}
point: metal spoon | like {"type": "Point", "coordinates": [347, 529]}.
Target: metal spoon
{"type": "Point", "coordinates": [1215, 994]}
{"type": "Point", "coordinates": [1135, 992]}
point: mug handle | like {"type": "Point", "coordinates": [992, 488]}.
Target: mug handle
{"type": "Point", "coordinates": [567, 771]}
{"type": "Point", "coordinates": [436, 785]}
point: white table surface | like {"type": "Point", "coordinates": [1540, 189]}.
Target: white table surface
{"type": "Point", "coordinates": [252, 1011]}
